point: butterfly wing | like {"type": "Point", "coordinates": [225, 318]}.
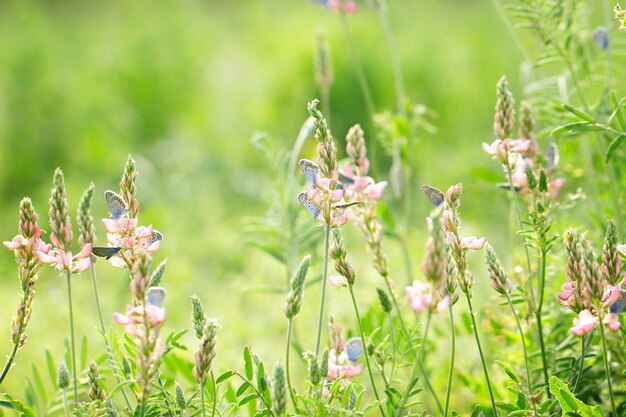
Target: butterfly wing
{"type": "Point", "coordinates": [619, 305]}
{"type": "Point", "coordinates": [155, 236]}
{"type": "Point", "coordinates": [105, 251]}
{"type": "Point", "coordinates": [155, 296]}
{"type": "Point", "coordinates": [310, 170]}
{"type": "Point", "coordinates": [309, 205]}
{"type": "Point", "coordinates": [115, 202]}
{"type": "Point", "coordinates": [552, 157]}
{"type": "Point", "coordinates": [433, 194]}
{"type": "Point", "coordinates": [346, 205]}
{"type": "Point", "coordinates": [354, 349]}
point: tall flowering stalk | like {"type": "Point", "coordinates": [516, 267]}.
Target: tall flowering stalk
{"type": "Point", "coordinates": [204, 359]}
{"type": "Point", "coordinates": [143, 322]}
{"type": "Point", "coordinates": [61, 254]}
{"type": "Point", "coordinates": [25, 246]}
{"type": "Point", "coordinates": [321, 199]}
{"type": "Point", "coordinates": [293, 305]}
{"type": "Point", "coordinates": [502, 285]}
{"type": "Point", "coordinates": [592, 289]}
{"type": "Point", "coordinates": [451, 221]}
{"type": "Point", "coordinates": [338, 253]}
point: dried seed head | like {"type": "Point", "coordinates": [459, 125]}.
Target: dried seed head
{"type": "Point", "coordinates": [84, 219]}
{"type": "Point", "coordinates": [611, 262]}
{"type": "Point", "coordinates": [181, 403]}
{"type": "Point", "coordinates": [504, 118]}
{"type": "Point", "coordinates": [198, 317]}
{"type": "Point", "coordinates": [95, 392]}
{"type": "Point", "coordinates": [293, 304]}
{"type": "Point", "coordinates": [128, 187]}
{"type": "Point", "coordinates": [324, 76]}
{"type": "Point", "coordinates": [60, 226]}
{"type": "Point", "coordinates": [383, 300]}
{"type": "Point", "coordinates": [206, 352]}
{"type": "Point", "coordinates": [526, 121]}
{"type": "Point", "coordinates": [63, 376]}
{"type": "Point", "coordinates": [499, 279]}
{"type": "Point", "coordinates": [279, 390]}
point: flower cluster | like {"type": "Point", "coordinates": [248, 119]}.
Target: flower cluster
{"type": "Point", "coordinates": [337, 252]}
{"type": "Point", "coordinates": [323, 199]}
{"type": "Point", "coordinates": [343, 355]}
{"type": "Point", "coordinates": [433, 294]}
{"type": "Point", "coordinates": [591, 289]}
{"type": "Point", "coordinates": [346, 6]}
{"type": "Point", "coordinates": [518, 156]}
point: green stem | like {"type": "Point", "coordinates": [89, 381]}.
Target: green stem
{"type": "Point", "coordinates": [582, 364]}
{"type": "Point", "coordinates": [104, 335]}
{"type": "Point", "coordinates": [418, 363]}
{"type": "Point", "coordinates": [452, 354]}
{"type": "Point", "coordinates": [607, 369]}
{"type": "Point", "coordinates": [323, 297]}
{"type": "Point", "coordinates": [511, 30]}
{"type": "Point", "coordinates": [366, 354]}
{"type": "Point", "coordinates": [65, 405]}
{"type": "Point", "coordinates": [202, 399]}
{"type": "Point", "coordinates": [258, 394]}
{"type": "Point", "coordinates": [214, 407]}
{"type": "Point", "coordinates": [395, 58]}
{"type": "Point", "coordinates": [407, 260]}
{"type": "Point", "coordinates": [289, 387]}
{"type": "Point", "coordinates": [542, 283]}
{"type": "Point", "coordinates": [480, 352]}
{"type": "Point", "coordinates": [392, 335]}
{"type": "Point", "coordinates": [69, 301]}
{"type": "Point", "coordinates": [5, 371]}
{"type": "Point", "coordinates": [416, 366]}
{"type": "Point", "coordinates": [521, 334]}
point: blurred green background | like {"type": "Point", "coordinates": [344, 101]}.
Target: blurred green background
{"type": "Point", "coordinates": [182, 86]}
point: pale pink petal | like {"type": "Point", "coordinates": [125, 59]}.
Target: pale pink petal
{"type": "Point", "coordinates": [375, 192]}
{"type": "Point", "coordinates": [45, 258]}
{"type": "Point", "coordinates": [337, 281]}
{"type": "Point", "coordinates": [350, 371]}
{"type": "Point", "coordinates": [472, 243]}
{"type": "Point", "coordinates": [612, 320]}
{"type": "Point", "coordinates": [81, 265]}
{"type": "Point", "coordinates": [85, 252]}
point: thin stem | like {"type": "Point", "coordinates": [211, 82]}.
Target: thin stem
{"type": "Point", "coordinates": [480, 352]}
{"type": "Point", "coordinates": [106, 341]}
{"type": "Point", "coordinates": [366, 354]}
{"type": "Point", "coordinates": [417, 364]}
{"type": "Point", "coordinates": [392, 335]}
{"type": "Point", "coordinates": [452, 354]}
{"type": "Point", "coordinates": [521, 334]}
{"type": "Point", "coordinates": [202, 399]}
{"type": "Point", "coordinates": [65, 406]}
{"type": "Point", "coordinates": [69, 301]}
{"type": "Point", "coordinates": [511, 30]}
{"type": "Point", "coordinates": [403, 327]}
{"type": "Point", "coordinates": [289, 387]}
{"type": "Point", "coordinates": [323, 297]}
{"type": "Point", "coordinates": [607, 369]}
{"type": "Point", "coordinates": [407, 260]}
{"type": "Point", "coordinates": [5, 371]}
{"type": "Point", "coordinates": [582, 364]}
{"type": "Point", "coordinates": [214, 407]}
{"type": "Point", "coordinates": [542, 282]}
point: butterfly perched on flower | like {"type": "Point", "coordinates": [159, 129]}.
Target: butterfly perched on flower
{"type": "Point", "coordinates": [309, 204]}
{"type": "Point", "coordinates": [434, 195]}
{"type": "Point", "coordinates": [552, 157]}
{"type": "Point", "coordinates": [117, 205]}
{"type": "Point", "coordinates": [310, 170]}
{"type": "Point", "coordinates": [354, 349]}
{"type": "Point", "coordinates": [155, 236]}
{"type": "Point", "coordinates": [155, 296]}
{"type": "Point", "coordinates": [106, 252]}
{"type": "Point", "coordinates": [620, 304]}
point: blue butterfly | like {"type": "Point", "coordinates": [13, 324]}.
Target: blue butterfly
{"type": "Point", "coordinates": [354, 349]}
{"type": "Point", "coordinates": [105, 251]}
{"type": "Point", "coordinates": [155, 296]}
{"type": "Point", "coordinates": [620, 304]}
{"type": "Point", "coordinates": [310, 170]}
{"type": "Point", "coordinates": [117, 205]}
{"type": "Point", "coordinates": [435, 195]}
{"type": "Point", "coordinates": [309, 204]}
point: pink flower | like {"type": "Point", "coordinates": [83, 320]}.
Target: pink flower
{"type": "Point", "coordinates": [555, 187]}
{"type": "Point", "coordinates": [612, 294]}
{"type": "Point", "coordinates": [135, 315]}
{"type": "Point", "coordinates": [419, 296]}
{"type": "Point", "coordinates": [472, 243]}
{"type": "Point", "coordinates": [35, 243]}
{"type": "Point", "coordinates": [64, 261]}
{"type": "Point", "coordinates": [375, 192]}
{"type": "Point", "coordinates": [584, 323]}
{"type": "Point", "coordinates": [348, 5]}
{"type": "Point", "coordinates": [337, 281]}
{"type": "Point", "coordinates": [612, 321]}
{"type": "Point", "coordinates": [567, 296]}
{"type": "Point", "coordinates": [443, 304]}
{"type": "Point", "coordinates": [119, 226]}
{"type": "Point", "coordinates": [340, 367]}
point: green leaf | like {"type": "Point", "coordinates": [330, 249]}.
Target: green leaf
{"type": "Point", "coordinates": [577, 112]}
{"type": "Point", "coordinates": [246, 399]}
{"type": "Point", "coordinates": [242, 388]}
{"type": "Point", "coordinates": [509, 371]}
{"type": "Point", "coordinates": [223, 377]}
{"type": "Point", "coordinates": [260, 377]}
{"type": "Point", "coordinates": [52, 369]}
{"type": "Point", "coordinates": [569, 403]}
{"type": "Point", "coordinates": [84, 354]}
{"type": "Point", "coordinates": [247, 358]}
{"type": "Point", "coordinates": [612, 147]}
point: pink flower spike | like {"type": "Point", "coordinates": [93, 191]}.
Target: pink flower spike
{"type": "Point", "coordinates": [419, 298]}
{"type": "Point", "coordinates": [375, 192]}
{"type": "Point", "coordinates": [472, 243]}
{"type": "Point", "coordinates": [119, 226]}
{"type": "Point", "coordinates": [612, 321]}
{"type": "Point", "coordinates": [584, 323]}
{"type": "Point", "coordinates": [16, 243]}
{"type": "Point", "coordinates": [611, 295]}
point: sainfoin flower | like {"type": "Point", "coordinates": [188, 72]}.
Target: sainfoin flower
{"type": "Point", "coordinates": [134, 318]}
{"type": "Point", "coordinates": [65, 261]}
{"type": "Point", "coordinates": [584, 323]}
{"type": "Point", "coordinates": [421, 298]}
{"type": "Point", "coordinates": [341, 364]}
